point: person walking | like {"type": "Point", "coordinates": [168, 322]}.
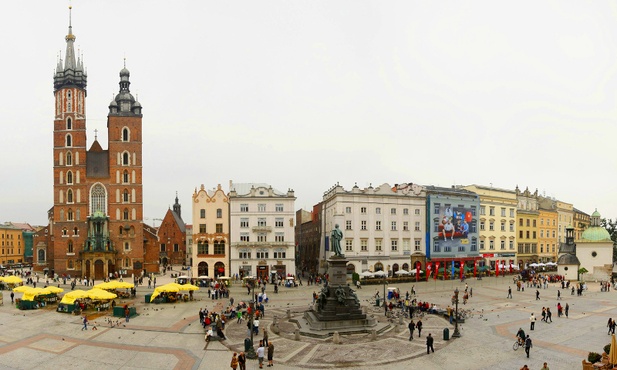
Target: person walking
{"type": "Point", "coordinates": [265, 338]}
{"type": "Point", "coordinates": [509, 293]}
{"type": "Point", "coordinates": [567, 309]}
{"type": "Point", "coordinates": [537, 295]}
{"type": "Point", "coordinates": [528, 345]}
{"type": "Point", "coordinates": [260, 354]}
{"type": "Point", "coordinates": [84, 320]}
{"type": "Point", "coordinates": [242, 361]}
{"type": "Point", "coordinates": [558, 294]}
{"type": "Point", "coordinates": [411, 327]}
{"type": "Point", "coordinates": [610, 321]}
{"type": "Point", "coordinates": [544, 314]}
{"type": "Point", "coordinates": [429, 344]}
{"type": "Point", "coordinates": [532, 322]}
{"type": "Point", "coordinates": [613, 324]}
{"type": "Point", "coordinates": [270, 354]}
{"type": "Point", "coordinates": [549, 315]}
{"type": "Point", "coordinates": [419, 327]}
{"type": "Point", "coordinates": [127, 313]}
{"type": "Point", "coordinates": [12, 296]}
{"type": "Point", "coordinates": [234, 361]}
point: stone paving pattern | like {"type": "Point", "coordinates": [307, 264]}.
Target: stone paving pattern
{"type": "Point", "coordinates": [169, 336]}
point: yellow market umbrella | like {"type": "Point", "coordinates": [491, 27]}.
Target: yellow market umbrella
{"type": "Point", "coordinates": [189, 287]}
{"type": "Point", "coordinates": [73, 295]}
{"type": "Point", "coordinates": [612, 356]}
{"type": "Point", "coordinates": [106, 286]}
{"type": "Point", "coordinates": [12, 279]}
{"type": "Point", "coordinates": [100, 294]}
{"type": "Point", "coordinates": [171, 287]}
{"type": "Point", "coordinates": [124, 285]}
{"type": "Point", "coordinates": [68, 299]}
{"type": "Point", "coordinates": [53, 289]}
{"type": "Point", "coordinates": [22, 289]}
{"type": "Point", "coordinates": [33, 292]}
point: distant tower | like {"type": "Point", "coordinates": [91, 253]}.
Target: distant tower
{"type": "Point", "coordinates": [177, 207]}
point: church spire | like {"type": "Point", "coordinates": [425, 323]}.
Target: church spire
{"type": "Point", "coordinates": [177, 208]}
{"type": "Point", "coordinates": [72, 74]}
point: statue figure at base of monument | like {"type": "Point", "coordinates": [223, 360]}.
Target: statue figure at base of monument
{"type": "Point", "coordinates": [336, 237]}
{"type": "Point", "coordinates": [341, 296]}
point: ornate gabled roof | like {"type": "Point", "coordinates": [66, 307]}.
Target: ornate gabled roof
{"type": "Point", "coordinates": [568, 259]}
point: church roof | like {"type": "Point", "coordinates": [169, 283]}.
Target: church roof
{"type": "Point", "coordinates": [596, 234]}
{"type": "Point", "coordinates": [96, 147]}
{"type": "Point", "coordinates": [568, 259]}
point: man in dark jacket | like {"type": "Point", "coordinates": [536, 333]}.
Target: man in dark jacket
{"type": "Point", "coordinates": [419, 327]}
{"type": "Point", "coordinates": [411, 327]}
{"type": "Point", "coordinates": [429, 344]}
{"type": "Point", "coordinates": [528, 345]}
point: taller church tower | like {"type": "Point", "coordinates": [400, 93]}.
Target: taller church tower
{"type": "Point", "coordinates": [96, 223]}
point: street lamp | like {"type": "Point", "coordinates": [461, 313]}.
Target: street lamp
{"type": "Point", "coordinates": [456, 333]}
{"type": "Point", "coordinates": [385, 306]}
{"type": "Point", "coordinates": [251, 350]}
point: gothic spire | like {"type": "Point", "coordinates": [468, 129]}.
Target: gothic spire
{"type": "Point", "coordinates": [69, 57]}
{"type": "Point", "coordinates": [72, 74]}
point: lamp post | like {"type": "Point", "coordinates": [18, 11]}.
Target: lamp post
{"type": "Point", "coordinates": [251, 351]}
{"type": "Point", "coordinates": [456, 333]}
{"type": "Point", "coordinates": [385, 306]}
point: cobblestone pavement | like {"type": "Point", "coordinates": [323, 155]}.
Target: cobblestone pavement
{"type": "Point", "coordinates": [169, 336]}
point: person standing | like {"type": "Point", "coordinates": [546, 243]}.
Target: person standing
{"type": "Point", "coordinates": [234, 361]}
{"type": "Point", "coordinates": [558, 294]}
{"type": "Point", "coordinates": [419, 327]}
{"type": "Point", "coordinates": [610, 321]}
{"type": "Point", "coordinates": [528, 345]}
{"type": "Point", "coordinates": [270, 354]}
{"type": "Point", "coordinates": [537, 295]}
{"type": "Point", "coordinates": [545, 367]}
{"type": "Point", "coordinates": [411, 327]}
{"type": "Point", "coordinates": [509, 293]}
{"type": "Point", "coordinates": [532, 322]}
{"type": "Point", "coordinates": [260, 354]}
{"type": "Point", "coordinates": [265, 338]}
{"type": "Point", "coordinates": [429, 344]}
{"type": "Point", "coordinates": [12, 296]}
{"type": "Point", "coordinates": [127, 313]}
{"type": "Point", "coordinates": [242, 361]}
{"type": "Point", "coordinates": [567, 309]}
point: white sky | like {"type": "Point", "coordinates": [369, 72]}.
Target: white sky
{"type": "Point", "coordinates": [302, 94]}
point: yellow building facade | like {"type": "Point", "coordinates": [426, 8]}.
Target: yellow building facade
{"type": "Point", "coordinates": [547, 238]}
{"type": "Point", "coordinates": [581, 222]}
{"type": "Point", "coordinates": [11, 245]}
{"type": "Point", "coordinates": [527, 227]}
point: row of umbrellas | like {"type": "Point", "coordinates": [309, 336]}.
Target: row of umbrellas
{"type": "Point", "coordinates": [542, 264]}
{"type": "Point", "coordinates": [173, 288]}
{"type": "Point", "coordinates": [12, 279]}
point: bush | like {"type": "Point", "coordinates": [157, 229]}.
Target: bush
{"type": "Point", "coordinates": [594, 357]}
{"type": "Point", "coordinates": [607, 349]}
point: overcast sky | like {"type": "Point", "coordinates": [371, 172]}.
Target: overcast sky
{"type": "Point", "coordinates": [304, 94]}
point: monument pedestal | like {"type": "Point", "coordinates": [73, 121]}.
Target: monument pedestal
{"type": "Point", "coordinates": [337, 305]}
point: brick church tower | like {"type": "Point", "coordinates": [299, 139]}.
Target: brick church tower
{"type": "Point", "coordinates": [96, 224]}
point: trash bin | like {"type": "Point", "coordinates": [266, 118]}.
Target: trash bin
{"type": "Point", "coordinates": [247, 344]}
{"type": "Point", "coordinates": [377, 302]}
{"type": "Point", "coordinates": [148, 296]}
{"type": "Point", "coordinates": [446, 334]}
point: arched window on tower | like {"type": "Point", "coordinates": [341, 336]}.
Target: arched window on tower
{"type": "Point", "coordinates": [69, 124]}
{"type": "Point", "coordinates": [125, 159]}
{"type": "Point", "coordinates": [70, 247]}
{"type": "Point", "coordinates": [125, 214]}
{"type": "Point", "coordinates": [41, 255]}
{"type": "Point", "coordinates": [69, 159]}
{"type": "Point", "coordinates": [98, 199]}
{"type": "Point", "coordinates": [125, 177]}
{"type": "Point", "coordinates": [125, 196]}
{"type": "Point", "coordinates": [69, 196]}
{"type": "Point", "coordinates": [69, 140]}
{"type": "Point", "coordinates": [69, 101]}
{"type": "Point", "coordinates": [69, 215]}
{"type": "Point", "coordinates": [126, 136]}
{"type": "Point", "coordinates": [69, 177]}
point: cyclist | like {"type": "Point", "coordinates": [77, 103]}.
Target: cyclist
{"type": "Point", "coordinates": [520, 335]}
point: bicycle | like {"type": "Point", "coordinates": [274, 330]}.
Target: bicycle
{"type": "Point", "coordinates": [517, 344]}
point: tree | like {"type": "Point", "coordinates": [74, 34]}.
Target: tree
{"type": "Point", "coordinates": [582, 271]}
{"type": "Point", "coordinates": [611, 227]}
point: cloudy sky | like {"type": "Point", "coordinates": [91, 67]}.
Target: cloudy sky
{"type": "Point", "coordinates": [304, 94]}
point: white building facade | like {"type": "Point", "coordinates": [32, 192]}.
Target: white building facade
{"type": "Point", "coordinates": [261, 231]}
{"type": "Point", "coordinates": [382, 227]}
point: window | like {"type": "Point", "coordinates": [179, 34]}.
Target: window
{"type": "Point", "coordinates": [363, 225]}
{"type": "Point", "coordinates": [481, 225]}
{"type": "Point", "coordinates": [520, 222]}
{"type": "Point", "coordinates": [262, 254]}
{"type": "Point", "coordinates": [244, 237]}
{"type": "Point", "coordinates": [377, 225]}
{"type": "Point", "coordinates": [348, 225]}
{"type": "Point", "coordinates": [69, 159]}
{"type": "Point", "coordinates": [125, 159]}
{"type": "Point", "coordinates": [461, 248]}
{"type": "Point", "coordinates": [482, 244]}
{"type": "Point", "coordinates": [378, 210]}
{"type": "Point", "coordinates": [125, 196]}
{"type": "Point", "coordinates": [392, 211]}
{"type": "Point", "coordinates": [98, 202]}
{"type": "Point", "coordinates": [219, 213]}
{"type": "Point", "coordinates": [245, 255]}
{"type": "Point", "coordinates": [261, 237]}
{"type": "Point", "coordinates": [491, 226]}
{"type": "Point", "coordinates": [348, 245]}
{"type": "Point", "coordinates": [219, 228]}
{"type": "Point", "coordinates": [405, 211]}
{"type": "Point", "coordinates": [394, 245]}
{"type": "Point", "coordinates": [70, 247]}
{"type": "Point", "coordinates": [541, 233]}
{"type": "Point", "coordinates": [405, 226]}
{"type": "Point", "coordinates": [202, 228]}
{"type": "Point", "coordinates": [533, 235]}
{"type": "Point", "coordinates": [503, 226]}
{"type": "Point", "coordinates": [512, 226]}
{"type": "Point", "coordinates": [363, 245]}
{"type": "Point", "coordinates": [69, 215]}
{"type": "Point", "coordinates": [176, 247]}
{"type": "Point", "coordinates": [261, 207]}
{"type": "Point", "coordinates": [417, 226]}
{"type": "Point", "coordinates": [280, 254]}
{"type": "Point", "coordinates": [436, 207]}
{"type": "Point", "coordinates": [436, 246]}
{"type": "Point", "coordinates": [542, 222]}
{"type": "Point", "coordinates": [534, 223]}
{"type": "Point", "coordinates": [553, 233]}
{"type": "Point", "coordinates": [202, 247]}
{"type": "Point", "coordinates": [219, 247]}
{"type": "Point", "coordinates": [261, 222]}
{"type": "Point", "coordinates": [125, 180]}
{"type": "Point", "coordinates": [503, 212]}
{"type": "Point", "coordinates": [125, 134]}
{"type": "Point", "coordinates": [75, 231]}
{"type": "Point", "coordinates": [416, 244]}
{"type": "Point", "coordinates": [127, 246]}
{"type": "Point", "coordinates": [527, 222]}
{"type": "Point", "coordinates": [527, 234]}
{"type": "Point", "coordinates": [512, 212]}
{"type": "Point", "coordinates": [482, 211]}
{"type": "Point", "coordinates": [511, 244]}
{"type": "Point", "coordinates": [491, 245]}
{"type": "Point", "coordinates": [69, 140]}
{"type": "Point", "coordinates": [244, 222]}
{"type": "Point", "coordinates": [69, 196]}
{"type": "Point", "coordinates": [491, 211]}
{"type": "Point", "coordinates": [279, 207]}
{"type": "Point", "coordinates": [393, 226]}
{"type": "Point", "coordinates": [363, 210]}
{"type": "Point", "coordinates": [378, 245]}
{"type": "Point", "coordinates": [347, 209]}
{"type": "Point", "coordinates": [279, 237]}
{"type": "Point", "coordinates": [202, 213]}
{"type": "Point", "coordinates": [417, 211]}
{"type": "Point", "coordinates": [474, 245]}
{"type": "Point", "coordinates": [244, 207]}
{"type": "Point", "coordinates": [162, 247]}
{"type": "Point", "coordinates": [473, 210]}
{"type": "Point", "coordinates": [436, 226]}
{"type": "Point", "coordinates": [278, 222]}
{"type": "Point", "coordinates": [69, 124]}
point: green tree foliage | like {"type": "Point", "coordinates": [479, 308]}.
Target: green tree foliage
{"type": "Point", "coordinates": [611, 227]}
